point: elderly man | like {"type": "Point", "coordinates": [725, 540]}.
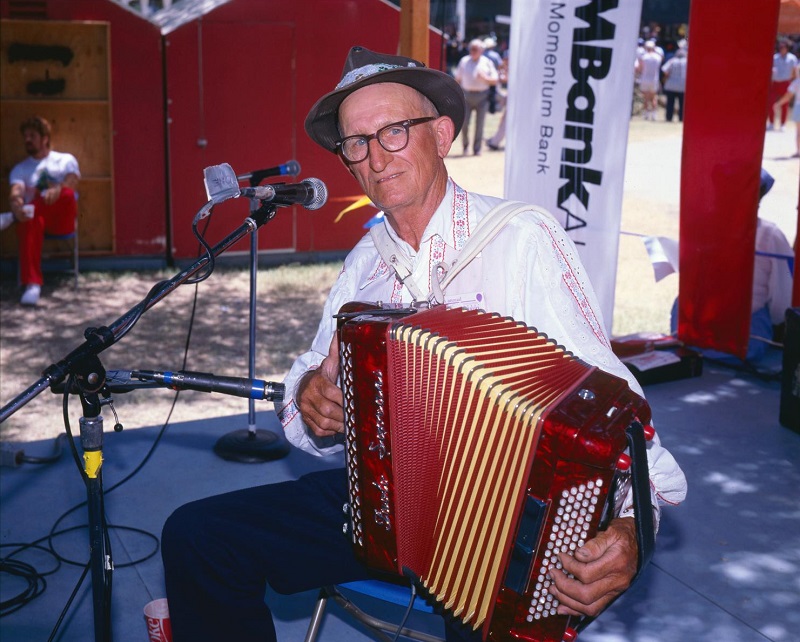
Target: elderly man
{"type": "Point", "coordinates": [43, 199]}
{"type": "Point", "coordinates": [392, 121]}
{"type": "Point", "coordinates": [476, 74]}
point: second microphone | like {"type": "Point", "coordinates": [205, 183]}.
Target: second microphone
{"type": "Point", "coordinates": [310, 193]}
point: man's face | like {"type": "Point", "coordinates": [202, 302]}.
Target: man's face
{"type": "Point", "coordinates": [35, 143]}
{"type": "Point", "coordinates": [475, 52]}
{"type": "Point", "coordinates": [393, 179]}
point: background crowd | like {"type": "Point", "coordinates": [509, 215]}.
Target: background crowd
{"type": "Point", "coordinates": [660, 70]}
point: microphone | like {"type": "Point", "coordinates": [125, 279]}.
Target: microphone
{"type": "Point", "coordinates": [207, 382]}
{"type": "Point", "coordinates": [310, 193]}
{"type": "Point", "coordinates": [289, 168]}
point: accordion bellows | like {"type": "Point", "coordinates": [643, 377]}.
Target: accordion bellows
{"type": "Point", "coordinates": [477, 450]}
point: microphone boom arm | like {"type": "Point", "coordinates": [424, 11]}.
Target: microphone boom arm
{"type": "Point", "coordinates": [207, 382]}
{"type": "Point", "coordinates": [98, 339]}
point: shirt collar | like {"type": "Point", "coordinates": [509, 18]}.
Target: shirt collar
{"type": "Point", "coordinates": [441, 224]}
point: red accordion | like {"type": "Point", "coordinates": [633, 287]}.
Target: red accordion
{"type": "Point", "coordinates": [477, 450]}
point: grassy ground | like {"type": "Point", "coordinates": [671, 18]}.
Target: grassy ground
{"type": "Point", "coordinates": [289, 308]}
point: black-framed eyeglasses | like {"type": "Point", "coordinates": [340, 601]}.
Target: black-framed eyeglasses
{"type": "Point", "coordinates": [393, 138]}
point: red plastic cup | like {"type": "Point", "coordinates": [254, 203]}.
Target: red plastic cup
{"type": "Point", "coordinates": [156, 614]}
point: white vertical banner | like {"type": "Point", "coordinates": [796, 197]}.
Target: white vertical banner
{"type": "Point", "coordinates": [569, 104]}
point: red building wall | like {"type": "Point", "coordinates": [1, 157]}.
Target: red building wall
{"type": "Point", "coordinates": [239, 83]}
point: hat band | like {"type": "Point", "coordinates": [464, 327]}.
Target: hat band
{"type": "Point", "coordinates": [367, 70]}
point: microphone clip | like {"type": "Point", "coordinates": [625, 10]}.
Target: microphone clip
{"type": "Point", "coordinates": [262, 211]}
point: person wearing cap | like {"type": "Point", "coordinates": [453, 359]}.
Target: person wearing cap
{"type": "Point", "coordinates": [490, 51]}
{"type": "Point", "coordinates": [648, 70]}
{"type": "Point", "coordinates": [391, 121]}
{"type": "Point", "coordinates": [772, 289]}
{"type": "Point", "coordinates": [476, 74]}
{"type": "Point", "coordinates": [772, 277]}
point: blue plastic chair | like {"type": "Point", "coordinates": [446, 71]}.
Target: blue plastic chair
{"type": "Point", "coordinates": [391, 593]}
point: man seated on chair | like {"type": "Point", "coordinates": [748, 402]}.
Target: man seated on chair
{"type": "Point", "coordinates": [43, 201]}
{"type": "Point", "coordinates": [392, 122]}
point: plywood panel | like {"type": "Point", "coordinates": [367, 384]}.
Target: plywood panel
{"type": "Point", "coordinates": [60, 60]}
{"type": "Point", "coordinates": [95, 220]}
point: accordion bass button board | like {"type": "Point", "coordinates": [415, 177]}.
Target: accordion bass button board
{"type": "Point", "coordinates": [478, 451]}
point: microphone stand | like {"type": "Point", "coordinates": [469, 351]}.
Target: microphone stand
{"type": "Point", "coordinates": [83, 364]}
{"type": "Point", "coordinates": [251, 445]}
{"type": "Point", "coordinates": [90, 379]}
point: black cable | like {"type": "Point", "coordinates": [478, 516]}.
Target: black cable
{"type": "Point", "coordinates": [410, 606]}
{"type": "Point", "coordinates": [208, 251]}
{"type": "Point", "coordinates": [57, 450]}
{"type": "Point", "coordinates": [722, 607]}
{"type": "Point", "coordinates": [35, 585]}
{"type": "Point", "coordinates": [68, 428]}
{"type": "Point", "coordinates": [35, 582]}
{"type": "Point", "coordinates": [138, 310]}
{"type": "Point", "coordinates": [747, 368]}
{"type": "Point", "coordinates": [141, 464]}
{"type": "Point", "coordinates": [65, 560]}
{"type": "Point", "coordinates": [142, 306]}
{"type": "Point", "coordinates": [71, 599]}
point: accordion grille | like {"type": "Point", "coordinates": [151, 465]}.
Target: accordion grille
{"type": "Point", "coordinates": [351, 456]}
{"type": "Point", "coordinates": [470, 391]}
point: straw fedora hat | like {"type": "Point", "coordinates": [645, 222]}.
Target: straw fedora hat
{"type": "Point", "coordinates": [364, 67]}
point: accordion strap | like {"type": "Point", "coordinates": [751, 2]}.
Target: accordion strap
{"type": "Point", "coordinates": [392, 256]}
{"type": "Point", "coordinates": [643, 509]}
{"type": "Point", "coordinates": [486, 230]}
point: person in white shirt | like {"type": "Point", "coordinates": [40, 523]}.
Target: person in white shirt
{"type": "Point", "coordinates": [772, 278]}
{"type": "Point", "coordinates": [772, 289]}
{"type": "Point", "coordinates": [675, 83]}
{"type": "Point", "coordinates": [392, 121]}
{"type": "Point", "coordinates": [648, 70]}
{"type": "Point", "coordinates": [476, 74]}
{"type": "Point", "coordinates": [43, 200]}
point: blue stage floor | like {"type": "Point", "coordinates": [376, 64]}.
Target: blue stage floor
{"type": "Point", "coordinates": [726, 569]}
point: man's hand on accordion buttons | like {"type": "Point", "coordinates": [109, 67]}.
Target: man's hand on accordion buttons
{"type": "Point", "coordinates": [603, 568]}
{"type": "Point", "coordinates": [320, 399]}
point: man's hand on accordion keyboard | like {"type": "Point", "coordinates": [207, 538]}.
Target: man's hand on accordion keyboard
{"type": "Point", "coordinates": [319, 398]}
{"type": "Point", "coordinates": [603, 568]}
